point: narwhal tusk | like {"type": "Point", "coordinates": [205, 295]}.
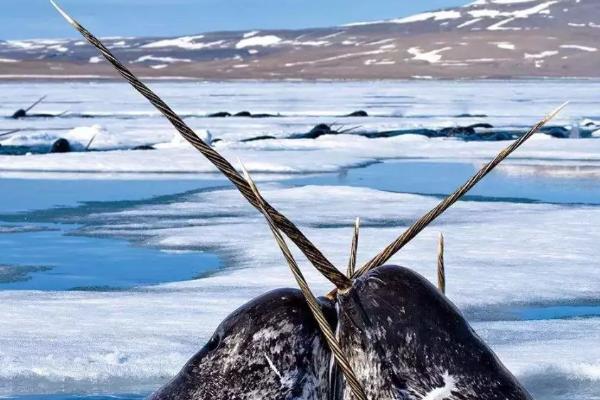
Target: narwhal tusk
{"type": "Point", "coordinates": [441, 271]}
{"type": "Point", "coordinates": [285, 225]}
{"type": "Point", "coordinates": [313, 304]}
{"type": "Point", "coordinates": [9, 132]}
{"type": "Point", "coordinates": [87, 148]}
{"type": "Point", "coordinates": [36, 103]}
{"type": "Point", "coordinates": [425, 220]}
{"type": "Point", "coordinates": [353, 249]}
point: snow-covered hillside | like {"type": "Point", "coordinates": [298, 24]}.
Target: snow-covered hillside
{"type": "Point", "coordinates": [486, 38]}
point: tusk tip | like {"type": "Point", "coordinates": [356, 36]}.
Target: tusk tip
{"type": "Point", "coordinates": [557, 110]}
{"type": "Point", "coordinates": [245, 171]}
{"type": "Point", "coordinates": [62, 12]}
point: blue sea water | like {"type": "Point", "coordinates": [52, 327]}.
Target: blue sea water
{"type": "Point", "coordinates": [440, 178]}
{"type": "Point", "coordinates": [90, 263]}
{"type": "Point", "coordinates": [48, 256]}
{"type": "Point", "coordinates": [536, 313]}
{"type": "Point", "coordinates": [22, 195]}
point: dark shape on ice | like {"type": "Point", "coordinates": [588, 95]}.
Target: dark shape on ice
{"type": "Point", "coordinates": [143, 147]}
{"type": "Point", "coordinates": [359, 113]}
{"type": "Point", "coordinates": [61, 146]}
{"type": "Point", "coordinates": [257, 138]}
{"type": "Point", "coordinates": [220, 114]}
{"type": "Point", "coordinates": [243, 114]}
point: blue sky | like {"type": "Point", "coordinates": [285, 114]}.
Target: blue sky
{"type": "Point", "coordinates": [21, 19]}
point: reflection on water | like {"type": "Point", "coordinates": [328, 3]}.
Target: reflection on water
{"type": "Point", "coordinates": [534, 313]}
{"type": "Point", "coordinates": [53, 260]}
{"type": "Point", "coordinates": [45, 256]}
{"type": "Point", "coordinates": [442, 178]}
{"type": "Point", "coordinates": [19, 195]}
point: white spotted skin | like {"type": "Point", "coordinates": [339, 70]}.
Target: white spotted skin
{"type": "Point", "coordinates": [270, 348]}
{"type": "Point", "coordinates": [406, 341]}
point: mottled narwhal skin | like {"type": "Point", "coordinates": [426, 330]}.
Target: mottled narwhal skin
{"type": "Point", "coordinates": [406, 340]}
{"type": "Point", "coordinates": [235, 364]}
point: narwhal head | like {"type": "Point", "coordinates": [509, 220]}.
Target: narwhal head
{"type": "Point", "coordinates": [405, 339]}
{"type": "Point", "coordinates": [270, 348]}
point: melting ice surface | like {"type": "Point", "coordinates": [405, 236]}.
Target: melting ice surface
{"type": "Point", "coordinates": [441, 178]}
{"type": "Point", "coordinates": [92, 263]}
{"type": "Point", "coordinates": [50, 257]}
{"type": "Point", "coordinates": [521, 250]}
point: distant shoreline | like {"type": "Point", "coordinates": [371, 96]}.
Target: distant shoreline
{"type": "Point", "coordinates": [9, 78]}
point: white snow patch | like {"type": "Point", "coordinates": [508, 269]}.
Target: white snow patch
{"type": "Point", "coordinates": [500, 26]}
{"type": "Point", "coordinates": [340, 57]}
{"type": "Point", "coordinates": [485, 2]}
{"type": "Point", "coordinates": [482, 60]}
{"type": "Point", "coordinates": [59, 48]}
{"type": "Point", "coordinates": [533, 10]}
{"type": "Point", "coordinates": [511, 1]}
{"type": "Point", "coordinates": [121, 44]}
{"type": "Point", "coordinates": [311, 43]}
{"type": "Point", "coordinates": [432, 56]}
{"type": "Point", "coordinates": [504, 45]}
{"type": "Point", "coordinates": [510, 15]}
{"type": "Point", "coordinates": [95, 60]}
{"type": "Point", "coordinates": [468, 23]}
{"type": "Point", "coordinates": [435, 16]}
{"type": "Point", "coordinates": [262, 41]}
{"type": "Point", "coordinates": [8, 60]}
{"type": "Point", "coordinates": [178, 142]}
{"type": "Point", "coordinates": [579, 47]}
{"type": "Point", "coordinates": [184, 42]}
{"type": "Point", "coordinates": [168, 60]}
{"type": "Point", "coordinates": [485, 13]}
{"type": "Point", "coordinates": [543, 54]}
{"type": "Point", "coordinates": [379, 62]}
{"type": "Point", "coordinates": [384, 41]}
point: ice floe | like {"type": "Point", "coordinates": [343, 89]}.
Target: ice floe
{"type": "Point", "coordinates": [124, 339]}
{"type": "Point", "coordinates": [499, 253]}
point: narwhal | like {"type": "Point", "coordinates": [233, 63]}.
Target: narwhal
{"type": "Point", "coordinates": [406, 340]}
{"type": "Point", "coordinates": [269, 348]}
{"type": "Point", "coordinates": [24, 112]}
{"type": "Point", "coordinates": [396, 335]}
